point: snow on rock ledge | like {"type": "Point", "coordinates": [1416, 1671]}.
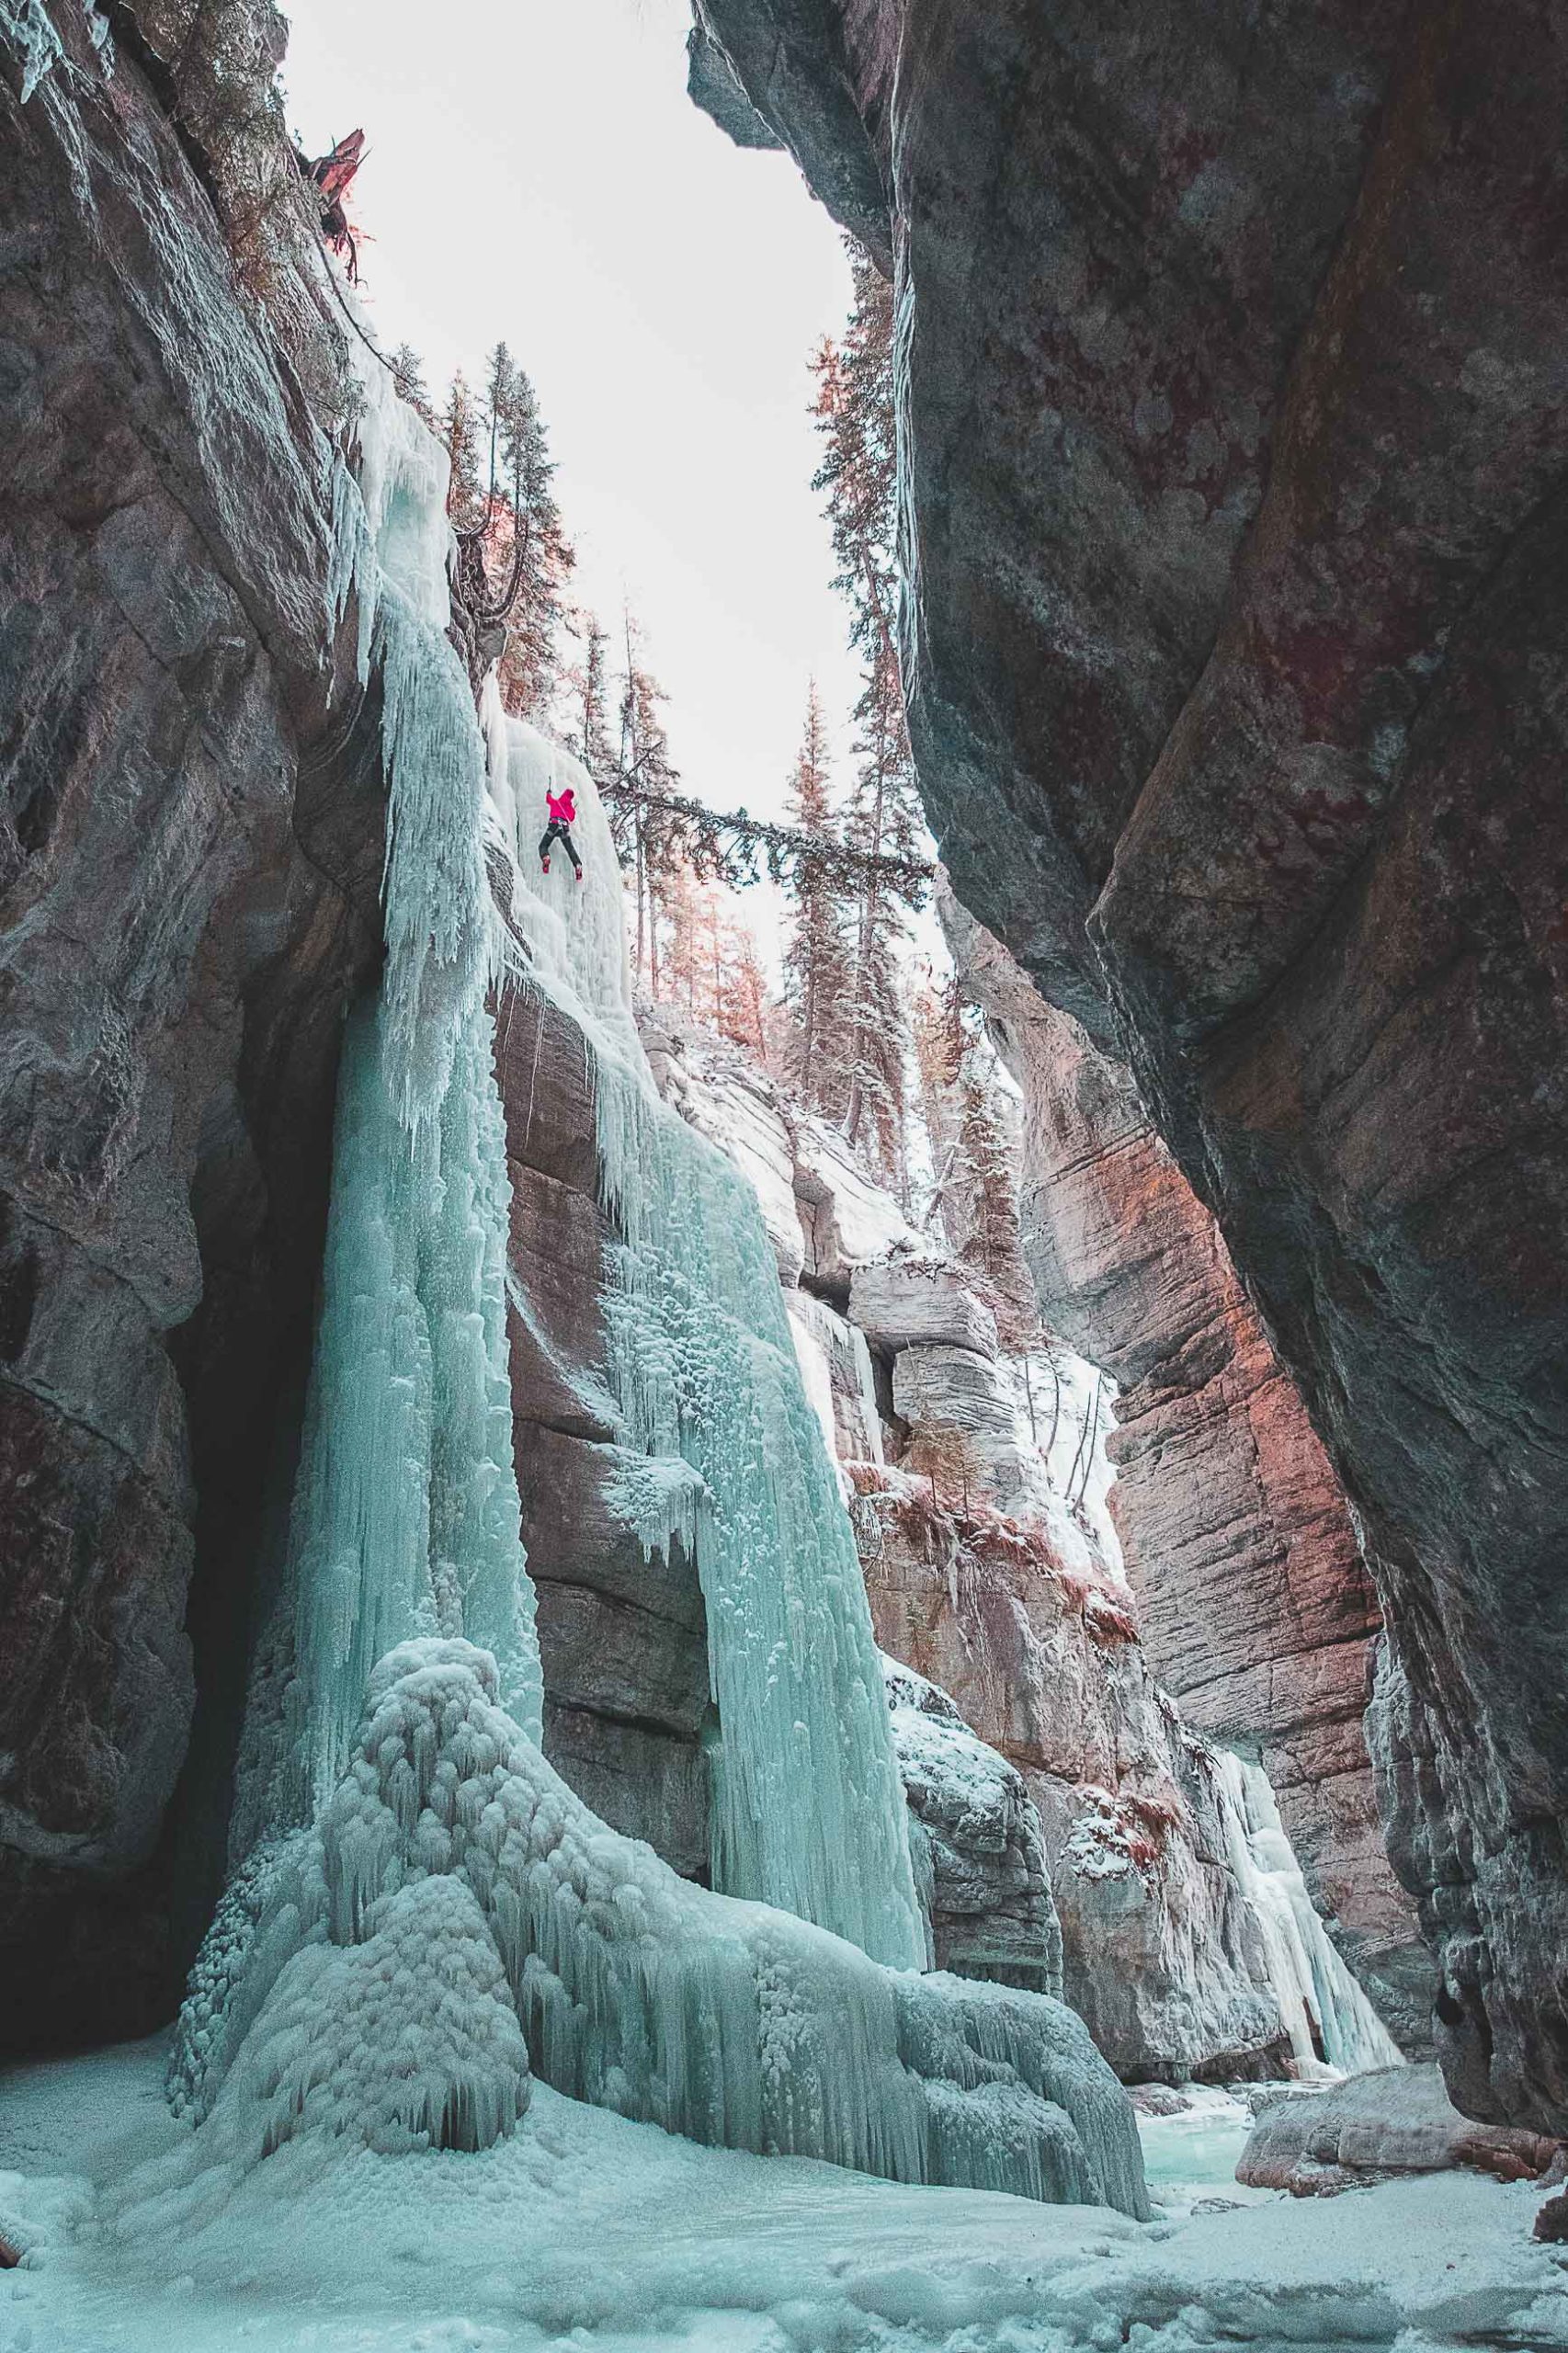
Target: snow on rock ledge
{"type": "Point", "coordinates": [1394, 2120]}
{"type": "Point", "coordinates": [904, 1302]}
{"type": "Point", "coordinates": [979, 1847]}
{"type": "Point", "coordinates": [848, 1220]}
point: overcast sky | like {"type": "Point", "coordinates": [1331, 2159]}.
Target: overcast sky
{"type": "Point", "coordinates": [536, 172]}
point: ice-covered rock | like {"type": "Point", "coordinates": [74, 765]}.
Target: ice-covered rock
{"type": "Point", "coordinates": [852, 1423]}
{"type": "Point", "coordinates": [981, 1854]}
{"type": "Point", "coordinates": [848, 1220]}
{"type": "Point", "coordinates": [1394, 2120]}
{"type": "Point", "coordinates": [901, 1301]}
{"type": "Point", "coordinates": [406, 2038]}
{"type": "Point", "coordinates": [1162, 1953]}
{"type": "Point", "coordinates": [735, 1106]}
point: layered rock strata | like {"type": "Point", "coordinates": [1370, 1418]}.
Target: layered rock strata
{"type": "Point", "coordinates": [1234, 421]}
{"type": "Point", "coordinates": [1161, 1955]}
{"type": "Point", "coordinates": [1254, 1606]}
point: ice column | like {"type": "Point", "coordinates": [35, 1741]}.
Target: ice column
{"type": "Point", "coordinates": [405, 1520]}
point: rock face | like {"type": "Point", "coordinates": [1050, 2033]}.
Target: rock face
{"type": "Point", "coordinates": [978, 1483]}
{"type": "Point", "coordinates": [979, 1848]}
{"type": "Point", "coordinates": [1235, 415]}
{"type": "Point", "coordinates": [900, 1304]}
{"type": "Point", "coordinates": [190, 844]}
{"type": "Point", "coordinates": [1161, 1957]}
{"type": "Point", "coordinates": [898, 1342]}
{"type": "Point", "coordinates": [622, 1635]}
{"type": "Point", "coordinates": [1396, 2120]}
{"type": "Point", "coordinates": [1254, 1606]}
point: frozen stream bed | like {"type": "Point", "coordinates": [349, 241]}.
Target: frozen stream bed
{"type": "Point", "coordinates": [1192, 2156]}
{"type": "Point", "coordinates": [587, 2230]}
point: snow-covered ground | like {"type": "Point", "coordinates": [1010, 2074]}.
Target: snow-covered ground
{"type": "Point", "coordinates": [585, 2230]}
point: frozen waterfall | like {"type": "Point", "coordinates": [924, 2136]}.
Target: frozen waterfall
{"type": "Point", "coordinates": [1315, 1987]}
{"type": "Point", "coordinates": [410, 1876]}
{"type": "Point", "coordinates": [808, 1808]}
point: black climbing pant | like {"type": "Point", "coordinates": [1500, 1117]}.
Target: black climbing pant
{"type": "Point", "coordinates": [562, 833]}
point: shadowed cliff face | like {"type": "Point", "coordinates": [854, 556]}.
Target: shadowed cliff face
{"type": "Point", "coordinates": [1234, 390]}
{"type": "Point", "coordinates": [189, 863]}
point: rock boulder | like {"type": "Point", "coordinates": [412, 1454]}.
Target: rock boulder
{"type": "Point", "coordinates": [1396, 2120]}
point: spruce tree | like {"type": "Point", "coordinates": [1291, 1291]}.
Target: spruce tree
{"type": "Point", "coordinates": [460, 430]}
{"type": "Point", "coordinates": [854, 413]}
{"type": "Point", "coordinates": [587, 729]}
{"type": "Point", "coordinates": [527, 545]}
{"type": "Point", "coordinates": [408, 375]}
{"type": "Point", "coordinates": [744, 1004]}
{"type": "Point", "coordinates": [816, 961]}
{"type": "Point", "coordinates": [645, 843]}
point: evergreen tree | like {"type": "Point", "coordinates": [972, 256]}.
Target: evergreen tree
{"type": "Point", "coordinates": [939, 1055]}
{"type": "Point", "coordinates": [744, 1003]}
{"type": "Point", "coordinates": [882, 821]}
{"type": "Point", "coordinates": [587, 729]}
{"type": "Point", "coordinates": [526, 543]}
{"type": "Point", "coordinates": [460, 430]}
{"type": "Point", "coordinates": [514, 558]}
{"type": "Point", "coordinates": [854, 413]}
{"type": "Point", "coordinates": [816, 962]}
{"type": "Point", "coordinates": [646, 844]}
{"type": "Point", "coordinates": [987, 1152]}
{"type": "Point", "coordinates": [408, 374]}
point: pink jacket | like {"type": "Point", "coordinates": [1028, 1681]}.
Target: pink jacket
{"type": "Point", "coordinates": [562, 807]}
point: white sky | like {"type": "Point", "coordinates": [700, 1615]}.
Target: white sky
{"type": "Point", "coordinates": [536, 173]}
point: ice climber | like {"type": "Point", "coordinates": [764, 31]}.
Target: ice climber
{"type": "Point", "coordinates": [563, 808]}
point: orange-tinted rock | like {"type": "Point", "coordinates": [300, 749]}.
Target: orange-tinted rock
{"type": "Point", "coordinates": [1257, 1610]}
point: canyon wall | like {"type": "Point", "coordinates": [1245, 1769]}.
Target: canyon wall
{"type": "Point", "coordinates": [622, 1632]}
{"type": "Point", "coordinates": [191, 849]}
{"type": "Point", "coordinates": [1233, 410]}
{"type": "Point", "coordinates": [1254, 1605]}
{"type": "Point", "coordinates": [190, 844]}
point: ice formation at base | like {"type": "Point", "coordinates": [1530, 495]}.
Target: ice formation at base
{"type": "Point", "coordinates": [404, 1894]}
{"type": "Point", "coordinates": [454, 1874]}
